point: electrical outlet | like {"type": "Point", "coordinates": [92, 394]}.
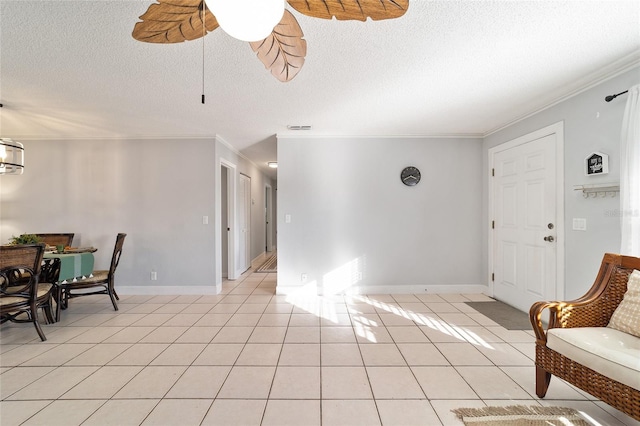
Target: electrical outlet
{"type": "Point", "coordinates": [154, 276]}
{"type": "Point", "coordinates": [579, 224]}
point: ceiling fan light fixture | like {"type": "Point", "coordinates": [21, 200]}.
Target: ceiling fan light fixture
{"type": "Point", "coordinates": [11, 157]}
{"type": "Point", "coordinates": [247, 20]}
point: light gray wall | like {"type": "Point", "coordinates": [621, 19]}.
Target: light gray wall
{"type": "Point", "coordinates": [355, 226]}
{"type": "Point", "coordinates": [155, 191]}
{"type": "Point", "coordinates": [590, 124]}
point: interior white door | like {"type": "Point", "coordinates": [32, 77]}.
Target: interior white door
{"type": "Point", "coordinates": [267, 218]}
{"type": "Point", "coordinates": [244, 223]}
{"type": "Point", "coordinates": [224, 220]}
{"type": "Point", "coordinates": [525, 222]}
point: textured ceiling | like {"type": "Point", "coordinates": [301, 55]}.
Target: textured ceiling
{"type": "Point", "coordinates": [70, 69]}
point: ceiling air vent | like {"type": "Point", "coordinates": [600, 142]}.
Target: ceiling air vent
{"type": "Point", "coordinates": [298, 127]}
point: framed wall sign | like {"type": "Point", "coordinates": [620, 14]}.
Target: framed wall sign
{"type": "Point", "coordinates": [597, 163]}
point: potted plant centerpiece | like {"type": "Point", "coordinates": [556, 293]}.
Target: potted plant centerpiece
{"type": "Point", "coordinates": [24, 239]}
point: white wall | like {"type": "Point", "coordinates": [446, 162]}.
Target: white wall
{"type": "Point", "coordinates": [590, 124]}
{"type": "Point", "coordinates": [356, 228]}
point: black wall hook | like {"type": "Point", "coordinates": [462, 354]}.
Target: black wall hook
{"type": "Point", "coordinates": [612, 97]}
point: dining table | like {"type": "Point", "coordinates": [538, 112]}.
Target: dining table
{"type": "Point", "coordinates": [66, 266]}
{"type": "Point", "coordinates": [73, 266]}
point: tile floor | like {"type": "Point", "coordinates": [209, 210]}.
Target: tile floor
{"type": "Point", "coordinates": [250, 357]}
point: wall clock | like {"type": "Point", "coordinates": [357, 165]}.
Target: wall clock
{"type": "Point", "coordinates": [410, 176]}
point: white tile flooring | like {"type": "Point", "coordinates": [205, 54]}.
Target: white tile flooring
{"type": "Point", "coordinates": [250, 357]}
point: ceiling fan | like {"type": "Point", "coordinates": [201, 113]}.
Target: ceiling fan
{"type": "Point", "coordinates": [283, 51]}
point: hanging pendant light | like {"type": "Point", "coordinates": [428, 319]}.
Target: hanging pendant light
{"type": "Point", "coordinates": [247, 20]}
{"type": "Point", "coordinates": [11, 157]}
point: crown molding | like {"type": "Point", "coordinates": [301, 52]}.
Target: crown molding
{"type": "Point", "coordinates": [110, 138]}
{"type": "Point", "coordinates": [233, 149]}
{"type": "Point", "coordinates": [620, 66]}
{"type": "Point", "coordinates": [425, 136]}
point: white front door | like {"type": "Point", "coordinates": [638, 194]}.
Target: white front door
{"type": "Point", "coordinates": [525, 222]}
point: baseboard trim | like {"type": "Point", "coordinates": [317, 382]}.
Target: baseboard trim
{"type": "Point", "coordinates": [386, 289]}
{"type": "Point", "coordinates": [161, 290]}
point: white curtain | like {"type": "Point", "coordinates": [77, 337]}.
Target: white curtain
{"type": "Point", "coordinates": [630, 175]}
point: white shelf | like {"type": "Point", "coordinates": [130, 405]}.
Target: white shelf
{"type": "Point", "coordinates": [601, 190]}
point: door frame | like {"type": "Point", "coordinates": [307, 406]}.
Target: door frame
{"type": "Point", "coordinates": [246, 214]}
{"type": "Point", "coordinates": [558, 130]}
{"type": "Point", "coordinates": [231, 218]}
{"type": "Point", "coordinates": [268, 199]}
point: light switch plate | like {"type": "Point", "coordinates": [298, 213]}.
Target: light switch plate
{"type": "Point", "coordinates": [579, 224]}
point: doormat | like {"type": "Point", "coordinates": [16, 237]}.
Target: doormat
{"type": "Point", "coordinates": [520, 415]}
{"type": "Point", "coordinates": [503, 314]}
{"type": "Point", "coordinates": [270, 265]}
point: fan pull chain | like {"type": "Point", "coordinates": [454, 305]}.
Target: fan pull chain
{"type": "Point", "coordinates": [204, 33]}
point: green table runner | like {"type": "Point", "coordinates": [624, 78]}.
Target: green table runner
{"type": "Point", "coordinates": [73, 266]}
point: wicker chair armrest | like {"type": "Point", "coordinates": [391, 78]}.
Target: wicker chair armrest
{"type": "Point", "coordinates": [566, 314]}
{"type": "Point", "coordinates": [595, 307]}
{"type": "Point", "coordinates": [535, 316]}
{"type": "Point", "coordinates": [15, 280]}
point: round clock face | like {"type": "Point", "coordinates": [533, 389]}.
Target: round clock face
{"type": "Point", "coordinates": [410, 176]}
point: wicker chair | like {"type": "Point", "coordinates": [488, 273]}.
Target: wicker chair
{"type": "Point", "coordinates": [56, 239]}
{"type": "Point", "coordinates": [594, 309]}
{"type": "Point", "coordinates": [104, 279]}
{"type": "Point", "coordinates": [21, 293]}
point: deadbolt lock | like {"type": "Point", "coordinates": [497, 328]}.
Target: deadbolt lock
{"type": "Point", "coordinates": [550, 226]}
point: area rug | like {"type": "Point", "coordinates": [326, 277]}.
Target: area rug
{"type": "Point", "coordinates": [270, 265]}
{"type": "Point", "coordinates": [503, 314]}
{"type": "Point", "coordinates": [520, 415]}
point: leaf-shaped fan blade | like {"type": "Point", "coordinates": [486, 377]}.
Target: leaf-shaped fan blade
{"type": "Point", "coordinates": [351, 9]}
{"type": "Point", "coordinates": [174, 21]}
{"type": "Point", "coordinates": [284, 50]}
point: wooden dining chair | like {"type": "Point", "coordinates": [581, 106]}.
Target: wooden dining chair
{"type": "Point", "coordinates": [21, 293]}
{"type": "Point", "coordinates": [57, 239]}
{"type": "Point", "coordinates": [101, 278]}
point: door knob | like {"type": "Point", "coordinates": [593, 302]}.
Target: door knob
{"type": "Point", "coordinates": [549, 238]}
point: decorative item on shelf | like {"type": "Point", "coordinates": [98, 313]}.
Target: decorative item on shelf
{"type": "Point", "coordinates": [597, 163]}
{"type": "Point", "coordinates": [601, 190]}
{"type": "Point", "coordinates": [11, 157]}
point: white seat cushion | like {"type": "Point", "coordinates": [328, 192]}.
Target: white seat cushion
{"type": "Point", "coordinates": [610, 352]}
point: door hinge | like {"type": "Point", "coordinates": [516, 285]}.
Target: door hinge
{"type": "Point", "coordinates": [493, 224]}
{"type": "Point", "coordinates": [493, 172]}
{"type": "Point", "coordinates": [493, 277]}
